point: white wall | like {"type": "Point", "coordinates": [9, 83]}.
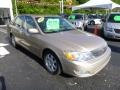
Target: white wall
{"type": "Point", "coordinates": [6, 8]}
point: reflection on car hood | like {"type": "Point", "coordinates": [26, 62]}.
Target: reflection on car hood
{"type": "Point", "coordinates": [113, 25]}
{"type": "Point", "coordinates": [77, 40]}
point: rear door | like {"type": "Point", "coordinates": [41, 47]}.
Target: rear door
{"type": "Point", "coordinates": [17, 28]}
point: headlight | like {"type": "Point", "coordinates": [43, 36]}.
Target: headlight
{"type": "Point", "coordinates": [109, 29]}
{"type": "Point", "coordinates": [78, 56]}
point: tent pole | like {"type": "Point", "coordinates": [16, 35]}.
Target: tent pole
{"type": "Point", "coordinates": [62, 7]}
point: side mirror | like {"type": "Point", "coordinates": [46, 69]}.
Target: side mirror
{"type": "Point", "coordinates": [33, 30]}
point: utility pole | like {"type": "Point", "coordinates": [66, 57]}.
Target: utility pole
{"type": "Point", "coordinates": [62, 6]}
{"type": "Point", "coordinates": [16, 10]}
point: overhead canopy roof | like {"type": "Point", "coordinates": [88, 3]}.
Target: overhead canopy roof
{"type": "Point", "coordinates": [104, 4]}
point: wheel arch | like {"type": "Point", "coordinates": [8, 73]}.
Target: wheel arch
{"type": "Point", "coordinates": [50, 50]}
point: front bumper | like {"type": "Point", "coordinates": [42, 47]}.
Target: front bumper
{"type": "Point", "coordinates": [89, 68]}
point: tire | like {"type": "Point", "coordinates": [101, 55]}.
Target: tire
{"type": "Point", "coordinates": [85, 28]}
{"type": "Point", "coordinates": [102, 32]}
{"type": "Point", "coordinates": [92, 22]}
{"type": "Point", "coordinates": [13, 41]}
{"type": "Point", "coordinates": [52, 63]}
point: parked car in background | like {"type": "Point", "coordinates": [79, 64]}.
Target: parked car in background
{"type": "Point", "coordinates": [79, 20]}
{"type": "Point", "coordinates": [94, 19]}
{"type": "Point", "coordinates": [60, 45]}
{"type": "Point", "coordinates": [112, 26]}
{"type": "Point", "coordinates": [95, 24]}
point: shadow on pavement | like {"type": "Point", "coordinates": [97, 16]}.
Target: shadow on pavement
{"type": "Point", "coordinates": [2, 83]}
{"type": "Point", "coordinates": [66, 75]}
{"type": "Point", "coordinates": [112, 40]}
{"type": "Point", "coordinates": [115, 48]}
{"type": "Point", "coordinates": [31, 55]}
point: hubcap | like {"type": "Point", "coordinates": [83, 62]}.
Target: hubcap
{"type": "Point", "coordinates": [51, 62]}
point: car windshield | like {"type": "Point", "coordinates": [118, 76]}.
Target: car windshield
{"type": "Point", "coordinates": [114, 18]}
{"type": "Point", "coordinates": [54, 24]}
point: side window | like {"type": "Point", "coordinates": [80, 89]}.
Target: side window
{"type": "Point", "coordinates": [29, 22]}
{"type": "Point", "coordinates": [19, 21]}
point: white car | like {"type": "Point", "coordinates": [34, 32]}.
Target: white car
{"type": "Point", "coordinates": [94, 19]}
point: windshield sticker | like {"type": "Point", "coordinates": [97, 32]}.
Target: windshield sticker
{"type": "Point", "coordinates": [117, 18]}
{"type": "Point", "coordinates": [53, 24]}
{"type": "Point", "coordinates": [41, 19]}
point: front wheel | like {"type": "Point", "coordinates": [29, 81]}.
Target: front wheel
{"type": "Point", "coordinates": [52, 63]}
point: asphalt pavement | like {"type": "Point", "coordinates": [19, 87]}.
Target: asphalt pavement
{"type": "Point", "coordinates": [21, 70]}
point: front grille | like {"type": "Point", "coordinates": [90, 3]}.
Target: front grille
{"type": "Point", "coordinates": [117, 31]}
{"type": "Point", "coordinates": [99, 52]}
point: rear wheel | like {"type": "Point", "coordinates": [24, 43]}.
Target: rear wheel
{"type": "Point", "coordinates": [52, 63]}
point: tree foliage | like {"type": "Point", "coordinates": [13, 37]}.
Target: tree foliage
{"type": "Point", "coordinates": [28, 8]}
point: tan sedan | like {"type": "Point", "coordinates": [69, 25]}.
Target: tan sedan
{"type": "Point", "coordinates": [61, 46]}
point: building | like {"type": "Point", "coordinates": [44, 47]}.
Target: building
{"type": "Point", "coordinates": [6, 12]}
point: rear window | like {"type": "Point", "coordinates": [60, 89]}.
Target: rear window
{"type": "Point", "coordinates": [114, 18]}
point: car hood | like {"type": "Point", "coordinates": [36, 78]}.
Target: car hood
{"type": "Point", "coordinates": [76, 40]}
{"type": "Point", "coordinates": [113, 25]}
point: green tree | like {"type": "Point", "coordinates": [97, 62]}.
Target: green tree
{"type": "Point", "coordinates": [116, 1]}
{"type": "Point", "coordinates": [82, 1]}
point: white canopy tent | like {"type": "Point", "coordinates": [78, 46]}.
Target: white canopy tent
{"type": "Point", "coordinates": [6, 9]}
{"type": "Point", "coordinates": [104, 4]}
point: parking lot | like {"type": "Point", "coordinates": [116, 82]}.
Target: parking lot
{"type": "Point", "coordinates": [21, 70]}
